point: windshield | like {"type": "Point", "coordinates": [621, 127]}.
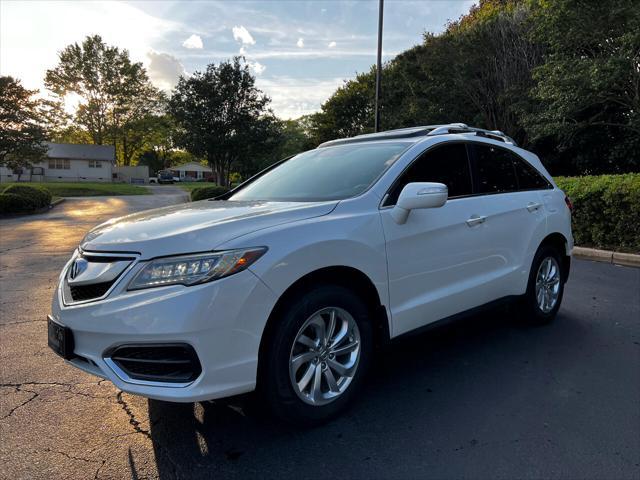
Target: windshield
{"type": "Point", "coordinates": [329, 173]}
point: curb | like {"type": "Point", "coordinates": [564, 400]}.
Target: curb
{"type": "Point", "coordinates": [606, 256]}
{"type": "Point", "coordinates": [57, 201]}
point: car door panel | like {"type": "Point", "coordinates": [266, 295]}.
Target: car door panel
{"type": "Point", "coordinates": [437, 263]}
{"type": "Point", "coordinates": [515, 225]}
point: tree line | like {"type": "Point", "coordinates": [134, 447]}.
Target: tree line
{"type": "Point", "coordinates": [560, 76]}
{"type": "Point", "coordinates": [217, 116]}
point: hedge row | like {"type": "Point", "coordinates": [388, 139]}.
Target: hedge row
{"type": "Point", "coordinates": [211, 191]}
{"type": "Point", "coordinates": [607, 210]}
{"type": "Point", "coordinates": [23, 199]}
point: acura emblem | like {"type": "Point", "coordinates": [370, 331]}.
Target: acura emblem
{"type": "Point", "coordinates": [78, 266]}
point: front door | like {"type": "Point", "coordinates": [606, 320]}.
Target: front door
{"type": "Point", "coordinates": [437, 260]}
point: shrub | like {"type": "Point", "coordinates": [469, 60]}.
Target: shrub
{"type": "Point", "coordinates": [607, 210]}
{"type": "Point", "coordinates": [40, 196]}
{"type": "Point", "coordinates": [13, 203]}
{"type": "Point", "coordinates": [200, 193]}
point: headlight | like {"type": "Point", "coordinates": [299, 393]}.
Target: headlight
{"type": "Point", "coordinates": [194, 269]}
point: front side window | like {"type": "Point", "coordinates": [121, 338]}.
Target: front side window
{"type": "Point", "coordinates": [329, 173]}
{"type": "Point", "coordinates": [495, 170]}
{"type": "Point", "coordinates": [95, 164]}
{"type": "Point", "coordinates": [446, 164]}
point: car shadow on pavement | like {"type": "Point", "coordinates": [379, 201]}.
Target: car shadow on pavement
{"type": "Point", "coordinates": [427, 394]}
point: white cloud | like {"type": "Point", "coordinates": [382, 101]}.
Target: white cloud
{"type": "Point", "coordinates": [242, 35]}
{"type": "Point", "coordinates": [164, 70]}
{"type": "Point", "coordinates": [32, 33]}
{"type": "Point", "coordinates": [294, 97]}
{"type": "Point", "coordinates": [300, 43]}
{"type": "Point", "coordinates": [257, 67]}
{"type": "Point", "coordinates": [194, 41]}
{"type": "Point", "coordinates": [243, 51]}
{"type": "Point", "coordinates": [332, 45]}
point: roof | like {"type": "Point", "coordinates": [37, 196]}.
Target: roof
{"type": "Point", "coordinates": [418, 133]}
{"type": "Point", "coordinates": [81, 152]}
{"type": "Point", "coordinates": [204, 168]}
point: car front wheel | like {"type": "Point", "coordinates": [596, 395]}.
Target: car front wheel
{"type": "Point", "coordinates": [319, 354]}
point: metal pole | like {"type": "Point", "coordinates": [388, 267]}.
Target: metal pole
{"type": "Point", "coordinates": [379, 66]}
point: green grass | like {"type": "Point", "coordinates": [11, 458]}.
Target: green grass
{"type": "Point", "coordinates": [90, 189]}
{"type": "Point", "coordinates": [188, 186]}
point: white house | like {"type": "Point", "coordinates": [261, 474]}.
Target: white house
{"type": "Point", "coordinates": [71, 163]}
{"type": "Point", "coordinates": [192, 171]}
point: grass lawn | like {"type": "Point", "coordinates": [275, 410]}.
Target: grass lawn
{"type": "Point", "coordinates": [89, 189]}
{"type": "Point", "coordinates": [188, 186]}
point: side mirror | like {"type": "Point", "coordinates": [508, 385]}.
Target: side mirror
{"type": "Point", "coordinates": [419, 195]}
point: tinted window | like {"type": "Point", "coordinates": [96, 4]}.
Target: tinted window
{"type": "Point", "coordinates": [446, 164]}
{"type": "Point", "coordinates": [528, 177]}
{"type": "Point", "coordinates": [496, 172]}
{"type": "Point", "coordinates": [330, 173]}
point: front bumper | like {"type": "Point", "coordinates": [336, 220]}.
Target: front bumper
{"type": "Point", "coordinates": [222, 320]}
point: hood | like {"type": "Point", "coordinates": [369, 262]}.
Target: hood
{"type": "Point", "coordinates": [195, 227]}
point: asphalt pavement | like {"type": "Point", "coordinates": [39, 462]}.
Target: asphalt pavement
{"type": "Point", "coordinates": [486, 397]}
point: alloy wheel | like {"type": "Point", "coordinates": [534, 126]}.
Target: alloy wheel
{"type": "Point", "coordinates": [548, 284]}
{"type": "Point", "coordinates": [325, 355]}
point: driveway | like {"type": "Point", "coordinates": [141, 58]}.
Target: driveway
{"type": "Point", "coordinates": [483, 398]}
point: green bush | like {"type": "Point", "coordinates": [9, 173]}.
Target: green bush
{"type": "Point", "coordinates": [13, 203]}
{"type": "Point", "coordinates": [212, 191]}
{"type": "Point", "coordinates": [607, 210]}
{"type": "Point", "coordinates": [40, 196]}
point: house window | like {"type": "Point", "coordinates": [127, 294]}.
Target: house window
{"type": "Point", "coordinates": [95, 164]}
{"type": "Point", "coordinates": [59, 164]}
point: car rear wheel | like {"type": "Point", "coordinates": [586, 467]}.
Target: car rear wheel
{"type": "Point", "coordinates": [319, 353]}
{"type": "Point", "coordinates": [546, 286]}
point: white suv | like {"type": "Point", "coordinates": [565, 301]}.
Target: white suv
{"type": "Point", "coordinates": [289, 282]}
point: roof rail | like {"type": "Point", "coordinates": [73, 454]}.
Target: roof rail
{"type": "Point", "coordinates": [422, 131]}
{"type": "Point", "coordinates": [387, 135]}
{"type": "Point", "coordinates": [481, 132]}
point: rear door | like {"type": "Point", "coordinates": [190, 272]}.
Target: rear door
{"type": "Point", "coordinates": [515, 220]}
{"type": "Point", "coordinates": [437, 259]}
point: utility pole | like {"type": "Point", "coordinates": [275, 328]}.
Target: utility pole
{"type": "Point", "coordinates": [379, 66]}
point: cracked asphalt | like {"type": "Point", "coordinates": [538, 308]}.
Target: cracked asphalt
{"type": "Point", "coordinates": [481, 398]}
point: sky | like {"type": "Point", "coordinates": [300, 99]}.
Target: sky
{"type": "Point", "coordinates": [299, 51]}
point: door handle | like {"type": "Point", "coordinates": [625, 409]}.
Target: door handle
{"type": "Point", "coordinates": [475, 220]}
{"type": "Point", "coordinates": [533, 206]}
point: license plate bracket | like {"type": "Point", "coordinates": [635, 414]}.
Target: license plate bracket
{"type": "Point", "coordinates": [60, 339]}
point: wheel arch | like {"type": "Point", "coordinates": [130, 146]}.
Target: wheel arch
{"type": "Point", "coordinates": [558, 241]}
{"type": "Point", "coordinates": [348, 277]}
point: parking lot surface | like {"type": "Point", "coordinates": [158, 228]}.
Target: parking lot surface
{"type": "Point", "coordinates": [482, 398]}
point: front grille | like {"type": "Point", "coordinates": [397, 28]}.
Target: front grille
{"type": "Point", "coordinates": [87, 292]}
{"type": "Point", "coordinates": [91, 275]}
{"type": "Point", "coordinates": [157, 363]}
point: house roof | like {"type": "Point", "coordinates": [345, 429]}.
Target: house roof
{"type": "Point", "coordinates": [184, 166]}
{"type": "Point", "coordinates": [81, 152]}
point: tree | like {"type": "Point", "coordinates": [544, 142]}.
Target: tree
{"type": "Point", "coordinates": [587, 91]}
{"type": "Point", "coordinates": [284, 139]}
{"type": "Point", "coordinates": [221, 115]}
{"type": "Point", "coordinates": [560, 76]}
{"type": "Point", "coordinates": [115, 93]}
{"type": "Point", "coordinates": [22, 125]}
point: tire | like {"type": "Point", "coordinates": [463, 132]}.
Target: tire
{"type": "Point", "coordinates": [302, 317]}
{"type": "Point", "coordinates": [545, 288]}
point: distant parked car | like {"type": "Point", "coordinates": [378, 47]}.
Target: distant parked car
{"type": "Point", "coordinates": [289, 283]}
{"type": "Point", "coordinates": [165, 176]}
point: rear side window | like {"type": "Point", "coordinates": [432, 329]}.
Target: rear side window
{"type": "Point", "coordinates": [495, 170]}
{"type": "Point", "coordinates": [446, 164]}
{"type": "Point", "coordinates": [528, 177]}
